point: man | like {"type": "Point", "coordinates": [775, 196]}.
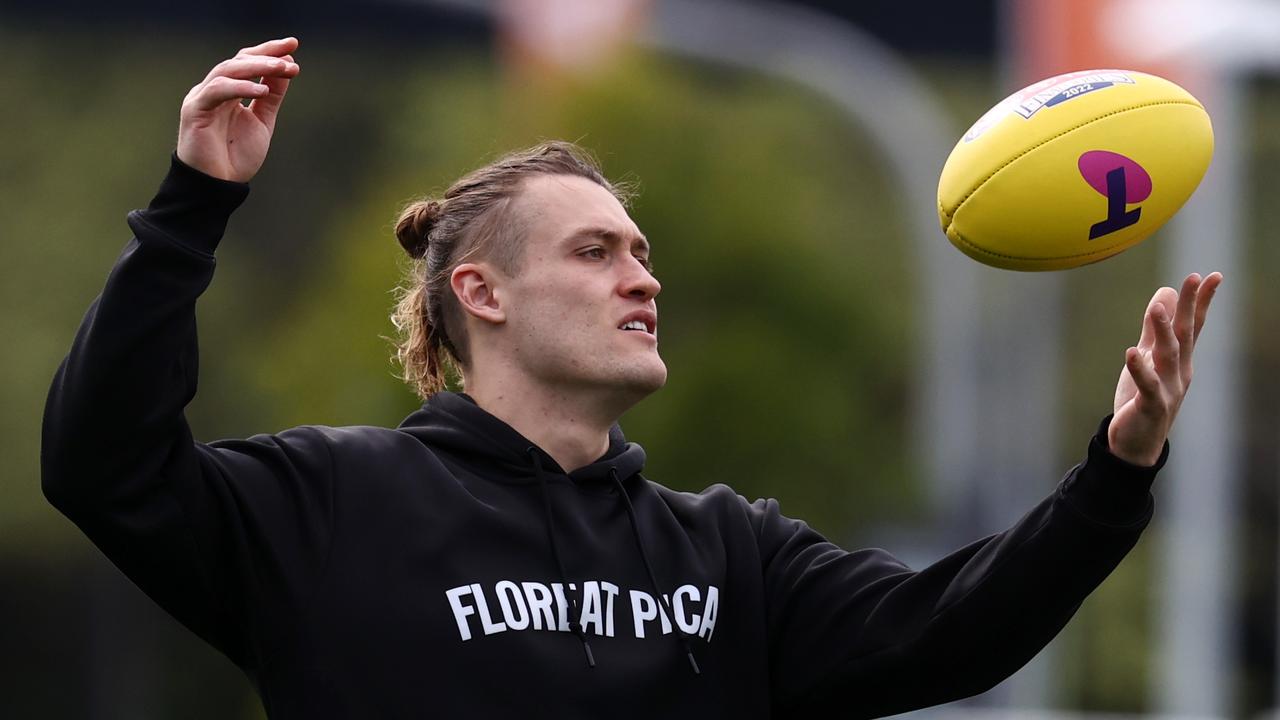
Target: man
{"type": "Point", "coordinates": [500, 552]}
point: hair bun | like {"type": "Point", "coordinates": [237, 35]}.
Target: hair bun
{"type": "Point", "coordinates": [413, 230]}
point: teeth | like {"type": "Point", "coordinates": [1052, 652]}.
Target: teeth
{"type": "Point", "coordinates": [635, 325]}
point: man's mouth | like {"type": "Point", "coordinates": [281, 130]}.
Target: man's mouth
{"type": "Point", "coordinates": [641, 321]}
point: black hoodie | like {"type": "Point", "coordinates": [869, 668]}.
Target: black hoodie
{"type": "Point", "coordinates": [450, 568]}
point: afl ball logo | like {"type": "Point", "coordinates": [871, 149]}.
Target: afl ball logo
{"type": "Point", "coordinates": [1122, 182]}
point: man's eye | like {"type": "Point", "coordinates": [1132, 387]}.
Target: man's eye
{"type": "Point", "coordinates": [595, 252]}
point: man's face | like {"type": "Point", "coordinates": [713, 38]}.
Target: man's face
{"type": "Point", "coordinates": [582, 278]}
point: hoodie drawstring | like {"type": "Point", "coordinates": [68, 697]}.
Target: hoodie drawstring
{"type": "Point", "coordinates": [653, 580]}
{"type": "Point", "coordinates": [575, 625]}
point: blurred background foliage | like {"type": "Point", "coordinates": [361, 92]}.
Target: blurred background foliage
{"type": "Point", "coordinates": [788, 304]}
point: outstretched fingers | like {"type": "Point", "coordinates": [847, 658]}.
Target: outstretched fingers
{"type": "Point", "coordinates": [1205, 296]}
{"type": "Point", "coordinates": [1170, 327]}
{"type": "Point", "coordinates": [1184, 323]}
{"type": "Point", "coordinates": [1193, 308]}
{"type": "Point", "coordinates": [1158, 370]}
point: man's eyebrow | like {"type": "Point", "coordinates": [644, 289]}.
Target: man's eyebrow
{"type": "Point", "coordinates": [606, 234]}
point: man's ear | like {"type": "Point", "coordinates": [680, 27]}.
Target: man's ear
{"type": "Point", "coordinates": [474, 286]}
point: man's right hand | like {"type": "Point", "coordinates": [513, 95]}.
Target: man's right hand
{"type": "Point", "coordinates": [219, 136]}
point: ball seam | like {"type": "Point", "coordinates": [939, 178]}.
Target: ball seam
{"type": "Point", "coordinates": [957, 237]}
{"type": "Point", "coordinates": [951, 216]}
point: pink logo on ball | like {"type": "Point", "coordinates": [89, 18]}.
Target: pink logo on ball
{"type": "Point", "coordinates": [1122, 182]}
{"type": "Point", "coordinates": [1096, 164]}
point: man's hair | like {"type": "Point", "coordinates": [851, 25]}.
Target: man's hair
{"type": "Point", "coordinates": [472, 221]}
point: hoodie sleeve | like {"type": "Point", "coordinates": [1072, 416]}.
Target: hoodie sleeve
{"type": "Point", "coordinates": [200, 528]}
{"type": "Point", "coordinates": [862, 635]}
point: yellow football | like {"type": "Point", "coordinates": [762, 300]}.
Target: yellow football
{"type": "Point", "coordinates": [1073, 169]}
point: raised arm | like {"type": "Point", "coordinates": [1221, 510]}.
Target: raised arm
{"type": "Point", "coordinates": [859, 634]}
{"type": "Point", "coordinates": [184, 520]}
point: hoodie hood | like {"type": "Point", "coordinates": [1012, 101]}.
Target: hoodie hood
{"type": "Point", "coordinates": [454, 423]}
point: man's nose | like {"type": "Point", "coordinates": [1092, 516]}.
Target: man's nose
{"type": "Point", "coordinates": [639, 282]}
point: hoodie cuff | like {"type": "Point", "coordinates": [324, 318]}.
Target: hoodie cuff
{"type": "Point", "coordinates": [192, 208]}
{"type": "Point", "coordinates": [1109, 490]}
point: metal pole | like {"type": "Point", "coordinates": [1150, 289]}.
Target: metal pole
{"type": "Point", "coordinates": [882, 95]}
{"type": "Point", "coordinates": [1198, 600]}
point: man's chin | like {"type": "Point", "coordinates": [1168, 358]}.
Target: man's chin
{"type": "Point", "coordinates": [618, 386]}
{"type": "Point", "coordinates": [640, 382]}
{"type": "Point", "coordinates": [647, 382]}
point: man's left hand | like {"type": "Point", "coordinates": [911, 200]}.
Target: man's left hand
{"type": "Point", "coordinates": [1158, 371]}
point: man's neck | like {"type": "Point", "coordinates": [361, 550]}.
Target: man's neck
{"type": "Point", "coordinates": [570, 428]}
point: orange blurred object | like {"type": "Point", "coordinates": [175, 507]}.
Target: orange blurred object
{"type": "Point", "coordinates": [553, 36]}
